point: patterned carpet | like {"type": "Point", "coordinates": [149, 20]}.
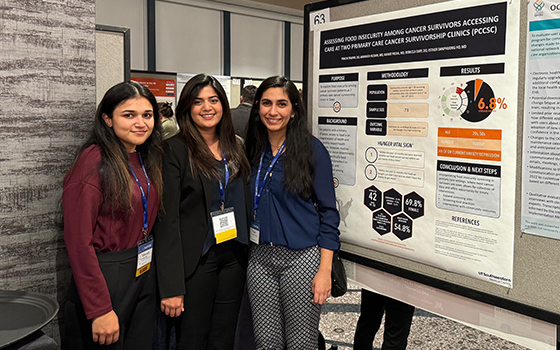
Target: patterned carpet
{"type": "Point", "coordinates": [428, 332]}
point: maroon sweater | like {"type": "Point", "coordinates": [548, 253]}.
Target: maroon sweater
{"type": "Point", "coordinates": [89, 226]}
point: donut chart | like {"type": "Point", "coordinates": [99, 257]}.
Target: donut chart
{"type": "Point", "coordinates": [454, 101]}
{"type": "Point", "coordinates": [466, 102]}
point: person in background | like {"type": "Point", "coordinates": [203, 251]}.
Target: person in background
{"type": "Point", "coordinates": [398, 319]}
{"type": "Point", "coordinates": [202, 236]}
{"type": "Point", "coordinates": [164, 331]}
{"type": "Point", "coordinates": [169, 127]}
{"type": "Point", "coordinates": [294, 221]}
{"type": "Point", "coordinates": [110, 202]}
{"type": "Point", "coordinates": [240, 114]}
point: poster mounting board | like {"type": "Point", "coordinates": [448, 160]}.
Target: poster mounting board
{"type": "Point", "coordinates": [420, 104]}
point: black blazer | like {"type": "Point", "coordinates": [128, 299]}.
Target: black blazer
{"type": "Point", "coordinates": [240, 116]}
{"type": "Point", "coordinates": [181, 229]}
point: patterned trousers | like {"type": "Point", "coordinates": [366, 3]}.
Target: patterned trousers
{"type": "Point", "coordinates": [279, 284]}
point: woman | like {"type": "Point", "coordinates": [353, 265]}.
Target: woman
{"type": "Point", "coordinates": [294, 220]}
{"type": "Point", "coordinates": [168, 126]}
{"type": "Point", "coordinates": [110, 203]}
{"type": "Point", "coordinates": [202, 236]}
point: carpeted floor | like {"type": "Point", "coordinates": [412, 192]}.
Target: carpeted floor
{"type": "Point", "coordinates": [428, 332]}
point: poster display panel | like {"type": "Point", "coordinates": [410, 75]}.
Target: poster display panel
{"type": "Point", "coordinates": [418, 110]}
{"type": "Point", "coordinates": [163, 89]}
{"type": "Point", "coordinates": [182, 79]}
{"type": "Point", "coordinates": [515, 327]}
{"type": "Point", "coordinates": [541, 134]}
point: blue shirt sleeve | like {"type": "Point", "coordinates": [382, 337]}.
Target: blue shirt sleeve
{"type": "Point", "coordinates": [323, 187]}
{"type": "Point", "coordinates": [288, 220]}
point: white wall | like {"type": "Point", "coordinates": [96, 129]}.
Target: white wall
{"type": "Point", "coordinates": [256, 47]}
{"type": "Point", "coordinates": [131, 14]}
{"type": "Point", "coordinates": [189, 36]}
{"type": "Point", "coordinates": [296, 44]}
{"type": "Point", "coordinates": [188, 39]}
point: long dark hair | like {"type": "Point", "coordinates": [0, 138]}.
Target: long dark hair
{"type": "Point", "coordinates": [298, 156]}
{"type": "Point", "coordinates": [116, 182]}
{"type": "Point", "coordinates": [202, 161]}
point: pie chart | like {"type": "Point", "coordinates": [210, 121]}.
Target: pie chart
{"type": "Point", "coordinates": [465, 102]}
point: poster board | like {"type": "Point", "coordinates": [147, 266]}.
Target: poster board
{"type": "Point", "coordinates": [112, 57]}
{"type": "Point", "coordinates": [183, 78]}
{"type": "Point", "coordinates": [531, 261]}
{"type": "Point", "coordinates": [540, 213]}
{"type": "Point", "coordinates": [162, 85]}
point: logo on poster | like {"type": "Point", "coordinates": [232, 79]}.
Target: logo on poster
{"type": "Point", "coordinates": [538, 5]}
{"type": "Point", "coordinates": [494, 277]}
{"type": "Point", "coordinates": [555, 8]}
{"type": "Point", "coordinates": [337, 107]}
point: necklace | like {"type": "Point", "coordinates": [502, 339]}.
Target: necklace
{"type": "Point", "coordinates": [277, 147]}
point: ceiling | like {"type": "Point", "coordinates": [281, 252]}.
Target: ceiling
{"type": "Point", "coordinates": [289, 6]}
{"type": "Point", "coordinates": [294, 4]}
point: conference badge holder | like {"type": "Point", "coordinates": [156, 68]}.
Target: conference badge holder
{"type": "Point", "coordinates": [145, 250]}
{"type": "Point", "coordinates": [255, 231]}
{"type": "Point", "coordinates": [223, 222]}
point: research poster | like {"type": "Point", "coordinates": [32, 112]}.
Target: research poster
{"type": "Point", "coordinates": [183, 78]}
{"type": "Point", "coordinates": [418, 110]}
{"type": "Point", "coordinates": [541, 135]}
{"type": "Point", "coordinates": [163, 89]}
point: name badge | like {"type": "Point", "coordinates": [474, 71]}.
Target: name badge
{"type": "Point", "coordinates": [255, 231]}
{"type": "Point", "coordinates": [145, 249]}
{"type": "Point", "coordinates": [224, 226]}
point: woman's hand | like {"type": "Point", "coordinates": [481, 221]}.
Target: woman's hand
{"type": "Point", "coordinates": [321, 286]}
{"type": "Point", "coordinates": [172, 306]}
{"type": "Point", "coordinates": [105, 328]}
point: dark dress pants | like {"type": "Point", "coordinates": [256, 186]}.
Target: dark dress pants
{"type": "Point", "coordinates": [212, 299]}
{"type": "Point", "coordinates": [244, 338]}
{"type": "Point", "coordinates": [133, 299]}
{"type": "Point", "coordinates": [398, 319]}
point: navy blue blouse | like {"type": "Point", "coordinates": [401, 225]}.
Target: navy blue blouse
{"type": "Point", "coordinates": [288, 220]}
{"type": "Point", "coordinates": [235, 197]}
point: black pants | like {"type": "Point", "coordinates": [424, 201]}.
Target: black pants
{"type": "Point", "coordinates": [398, 319]}
{"type": "Point", "coordinates": [132, 298]}
{"type": "Point", "coordinates": [244, 338]}
{"type": "Point", "coordinates": [212, 299]}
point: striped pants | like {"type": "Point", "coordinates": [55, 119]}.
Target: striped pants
{"type": "Point", "coordinates": [279, 284]}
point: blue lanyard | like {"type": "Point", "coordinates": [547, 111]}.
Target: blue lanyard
{"type": "Point", "coordinates": [259, 189]}
{"type": "Point", "coordinates": [144, 197]}
{"type": "Point", "coordinates": [222, 187]}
